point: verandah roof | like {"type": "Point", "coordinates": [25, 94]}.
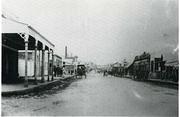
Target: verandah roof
{"type": "Point", "coordinates": [13, 26]}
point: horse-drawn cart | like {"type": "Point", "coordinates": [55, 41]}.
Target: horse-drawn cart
{"type": "Point", "coordinates": [81, 71]}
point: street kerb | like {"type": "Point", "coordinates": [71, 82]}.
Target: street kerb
{"type": "Point", "coordinates": [36, 88]}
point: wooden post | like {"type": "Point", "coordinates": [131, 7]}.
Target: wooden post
{"type": "Point", "coordinates": [42, 68]}
{"type": "Point", "coordinates": [35, 62]}
{"type": "Point", "coordinates": [39, 62]}
{"type": "Point", "coordinates": [48, 65]}
{"type": "Point", "coordinates": [52, 65]}
{"type": "Point", "coordinates": [26, 62]}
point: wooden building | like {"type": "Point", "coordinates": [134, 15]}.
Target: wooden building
{"type": "Point", "coordinates": [58, 60]}
{"type": "Point", "coordinates": [117, 69]}
{"type": "Point", "coordinates": [147, 67]}
{"type": "Point", "coordinates": [140, 67]}
{"type": "Point", "coordinates": [20, 36]}
{"type": "Point", "coordinates": [30, 69]}
{"type": "Point", "coordinates": [171, 71]}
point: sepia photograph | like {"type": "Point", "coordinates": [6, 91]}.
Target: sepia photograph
{"type": "Point", "coordinates": [90, 58]}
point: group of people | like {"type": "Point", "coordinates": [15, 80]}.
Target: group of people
{"type": "Point", "coordinates": [105, 73]}
{"type": "Point", "coordinates": [58, 71]}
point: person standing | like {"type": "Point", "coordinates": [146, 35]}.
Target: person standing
{"type": "Point", "coordinates": [63, 71]}
{"type": "Point", "coordinates": [55, 71]}
{"type": "Point", "coordinates": [58, 71]}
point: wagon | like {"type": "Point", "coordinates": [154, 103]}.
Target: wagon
{"type": "Point", "coordinates": [81, 71]}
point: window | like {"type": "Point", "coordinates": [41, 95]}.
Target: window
{"type": "Point", "coordinates": [21, 55]}
{"type": "Point", "coordinates": [30, 56]}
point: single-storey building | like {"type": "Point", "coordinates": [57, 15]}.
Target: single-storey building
{"type": "Point", "coordinates": [21, 36]}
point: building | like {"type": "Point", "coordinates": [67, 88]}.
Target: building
{"type": "Point", "coordinates": [58, 61]}
{"type": "Point", "coordinates": [30, 62]}
{"type": "Point", "coordinates": [117, 69]}
{"type": "Point", "coordinates": [58, 64]}
{"type": "Point", "coordinates": [140, 67]}
{"type": "Point", "coordinates": [171, 71]}
{"type": "Point", "coordinates": [69, 63]}
{"type": "Point", "coordinates": [147, 67]}
{"type": "Point", "coordinates": [157, 67]}
{"type": "Point", "coordinates": [20, 36]}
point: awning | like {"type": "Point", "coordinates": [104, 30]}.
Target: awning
{"type": "Point", "coordinates": [172, 64]}
{"type": "Point", "coordinates": [13, 26]}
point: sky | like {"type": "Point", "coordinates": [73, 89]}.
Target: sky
{"type": "Point", "coordinates": [102, 31]}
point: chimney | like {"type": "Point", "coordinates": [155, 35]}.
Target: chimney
{"type": "Point", "coordinates": [161, 57]}
{"type": "Point", "coordinates": [65, 51]}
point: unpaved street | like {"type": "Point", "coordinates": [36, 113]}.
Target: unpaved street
{"type": "Point", "coordinates": [98, 95]}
